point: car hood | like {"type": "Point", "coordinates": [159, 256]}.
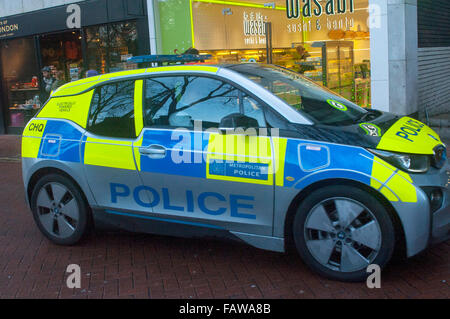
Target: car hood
{"type": "Point", "coordinates": [408, 135]}
{"type": "Point", "coordinates": [385, 131]}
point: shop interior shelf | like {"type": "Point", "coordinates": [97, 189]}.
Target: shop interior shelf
{"type": "Point", "coordinates": [310, 63]}
{"type": "Point", "coordinates": [24, 90]}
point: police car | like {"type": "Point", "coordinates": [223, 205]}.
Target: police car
{"type": "Point", "coordinates": [248, 151]}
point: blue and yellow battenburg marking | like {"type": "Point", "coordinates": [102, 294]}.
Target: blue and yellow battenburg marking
{"type": "Point", "coordinates": [240, 158]}
{"type": "Point", "coordinates": [52, 139]}
{"type": "Point", "coordinates": [394, 184]}
{"type": "Point", "coordinates": [31, 138]}
{"type": "Point", "coordinates": [234, 158]}
{"type": "Point", "coordinates": [208, 155]}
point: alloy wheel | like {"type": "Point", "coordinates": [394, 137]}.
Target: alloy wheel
{"type": "Point", "coordinates": [342, 234]}
{"type": "Point", "coordinates": [58, 210]}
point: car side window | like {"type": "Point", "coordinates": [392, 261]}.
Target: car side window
{"type": "Point", "coordinates": [178, 101]}
{"type": "Point", "coordinates": [275, 120]}
{"type": "Point", "coordinates": [253, 109]}
{"type": "Point", "coordinates": [112, 110]}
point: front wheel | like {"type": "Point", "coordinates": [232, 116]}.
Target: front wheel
{"type": "Point", "coordinates": [340, 230]}
{"type": "Point", "coordinates": [60, 210]}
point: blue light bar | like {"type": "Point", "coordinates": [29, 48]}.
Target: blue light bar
{"type": "Point", "coordinates": [169, 58]}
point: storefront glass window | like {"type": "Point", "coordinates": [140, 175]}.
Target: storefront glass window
{"type": "Point", "coordinates": [109, 46]}
{"type": "Point", "coordinates": [327, 41]}
{"type": "Point", "coordinates": [62, 53]}
{"type": "Point", "coordinates": [20, 84]}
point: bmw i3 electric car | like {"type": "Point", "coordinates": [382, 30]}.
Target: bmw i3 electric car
{"type": "Point", "coordinates": [248, 151]}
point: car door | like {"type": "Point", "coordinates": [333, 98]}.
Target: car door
{"type": "Point", "coordinates": [107, 146]}
{"type": "Point", "coordinates": [190, 170]}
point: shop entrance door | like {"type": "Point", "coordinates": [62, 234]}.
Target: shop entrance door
{"type": "Point", "coordinates": [62, 54]}
{"type": "Point", "coordinates": [19, 91]}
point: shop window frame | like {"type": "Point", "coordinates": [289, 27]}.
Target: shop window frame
{"type": "Point", "coordinates": [85, 48]}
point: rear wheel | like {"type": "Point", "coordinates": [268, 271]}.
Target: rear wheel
{"type": "Point", "coordinates": [59, 209]}
{"type": "Point", "coordinates": [340, 230]}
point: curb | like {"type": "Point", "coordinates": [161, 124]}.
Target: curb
{"type": "Point", "coordinates": [10, 160]}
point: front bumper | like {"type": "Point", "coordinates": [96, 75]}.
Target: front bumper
{"type": "Point", "coordinates": [440, 229]}
{"type": "Point", "coordinates": [421, 226]}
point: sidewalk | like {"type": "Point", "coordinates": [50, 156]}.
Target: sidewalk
{"type": "Point", "coordinates": [124, 265]}
{"type": "Point", "coordinates": [10, 146]}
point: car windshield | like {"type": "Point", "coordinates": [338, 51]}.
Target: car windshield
{"type": "Point", "coordinates": [314, 101]}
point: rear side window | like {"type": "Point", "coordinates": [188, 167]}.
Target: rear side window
{"type": "Point", "coordinates": [112, 110]}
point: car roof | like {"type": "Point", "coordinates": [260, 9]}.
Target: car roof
{"type": "Point", "coordinates": [77, 87]}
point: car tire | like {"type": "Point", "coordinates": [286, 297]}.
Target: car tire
{"type": "Point", "coordinates": [60, 209]}
{"type": "Point", "coordinates": [340, 230]}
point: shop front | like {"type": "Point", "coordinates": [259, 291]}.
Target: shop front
{"type": "Point", "coordinates": [38, 52]}
{"type": "Point", "coordinates": [328, 41]}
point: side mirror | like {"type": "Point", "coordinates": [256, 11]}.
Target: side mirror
{"type": "Point", "coordinates": [235, 120]}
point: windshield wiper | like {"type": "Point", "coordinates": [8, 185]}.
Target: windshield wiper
{"type": "Point", "coordinates": [369, 113]}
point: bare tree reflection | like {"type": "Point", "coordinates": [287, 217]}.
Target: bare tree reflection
{"type": "Point", "coordinates": [112, 112]}
{"type": "Point", "coordinates": [170, 96]}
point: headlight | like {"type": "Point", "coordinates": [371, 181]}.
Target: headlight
{"type": "Point", "coordinates": [412, 163]}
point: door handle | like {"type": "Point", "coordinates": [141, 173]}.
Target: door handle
{"type": "Point", "coordinates": [153, 151]}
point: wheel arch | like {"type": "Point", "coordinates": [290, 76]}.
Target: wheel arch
{"type": "Point", "coordinates": [290, 214]}
{"type": "Point", "coordinates": [46, 170]}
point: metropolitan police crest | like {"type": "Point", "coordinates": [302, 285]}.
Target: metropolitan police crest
{"type": "Point", "coordinates": [371, 129]}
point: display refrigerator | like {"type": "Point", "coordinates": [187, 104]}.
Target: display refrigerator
{"type": "Point", "coordinates": [335, 68]}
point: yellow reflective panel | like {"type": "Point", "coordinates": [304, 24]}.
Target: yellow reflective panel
{"type": "Point", "coordinates": [122, 74]}
{"type": "Point", "coordinates": [403, 188]}
{"type": "Point", "coordinates": [252, 148]}
{"type": "Point", "coordinates": [30, 146]}
{"type": "Point", "coordinates": [35, 128]}
{"type": "Point", "coordinates": [138, 106]}
{"type": "Point", "coordinates": [137, 154]}
{"type": "Point", "coordinates": [78, 87]}
{"type": "Point", "coordinates": [73, 108]}
{"type": "Point", "coordinates": [408, 135]}
{"type": "Point", "coordinates": [389, 195]}
{"type": "Point", "coordinates": [375, 184]}
{"type": "Point", "coordinates": [279, 145]}
{"type": "Point", "coordinates": [31, 138]}
{"type": "Point", "coordinates": [236, 151]}
{"type": "Point", "coordinates": [78, 82]}
{"type": "Point", "coordinates": [405, 176]}
{"type": "Point", "coordinates": [381, 171]}
{"type": "Point", "coordinates": [398, 181]}
{"type": "Point", "coordinates": [109, 153]}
